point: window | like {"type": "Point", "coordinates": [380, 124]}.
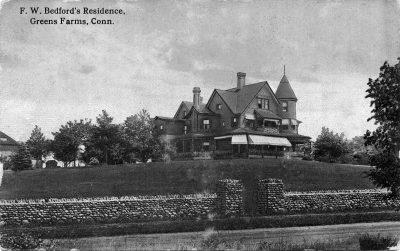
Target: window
{"type": "Point", "coordinates": [219, 106]}
{"type": "Point", "coordinates": [271, 124]}
{"type": "Point", "coordinates": [285, 124]}
{"type": "Point", "coordinates": [249, 123]}
{"type": "Point", "coordinates": [263, 103]}
{"type": "Point", "coordinates": [293, 127]}
{"type": "Point", "coordinates": [206, 124]}
{"type": "Point", "coordinates": [185, 129]}
{"type": "Point", "coordinates": [161, 127]}
{"type": "Point", "coordinates": [3, 139]}
{"type": "Point", "coordinates": [285, 106]}
{"type": "Point", "coordinates": [234, 122]}
{"type": "Point", "coordinates": [223, 123]}
{"type": "Point", "coordinates": [184, 113]}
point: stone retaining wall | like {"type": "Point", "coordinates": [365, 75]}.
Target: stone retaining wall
{"type": "Point", "coordinates": [323, 202]}
{"type": "Point", "coordinates": [106, 211]}
{"type": "Point", "coordinates": [227, 202]}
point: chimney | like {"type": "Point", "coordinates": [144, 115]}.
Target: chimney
{"type": "Point", "coordinates": [196, 97]}
{"type": "Point", "coordinates": [241, 80]}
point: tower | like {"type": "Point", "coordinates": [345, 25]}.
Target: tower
{"type": "Point", "coordinates": [288, 100]}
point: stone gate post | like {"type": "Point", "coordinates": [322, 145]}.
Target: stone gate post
{"type": "Point", "coordinates": [229, 198]}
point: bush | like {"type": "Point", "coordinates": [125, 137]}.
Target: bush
{"type": "Point", "coordinates": [377, 242]}
{"type": "Point", "coordinates": [94, 161]}
{"type": "Point", "coordinates": [51, 164]}
{"type": "Point", "coordinates": [24, 241]}
{"type": "Point", "coordinates": [7, 165]}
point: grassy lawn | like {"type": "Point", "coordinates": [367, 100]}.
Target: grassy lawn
{"type": "Point", "coordinates": [179, 178]}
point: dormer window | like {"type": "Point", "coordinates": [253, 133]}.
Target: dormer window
{"type": "Point", "coordinates": [219, 106]}
{"type": "Point", "coordinates": [285, 106]}
{"type": "Point", "coordinates": [263, 103]}
{"type": "Point", "coordinates": [184, 113]}
{"type": "Point", "coordinates": [206, 124]}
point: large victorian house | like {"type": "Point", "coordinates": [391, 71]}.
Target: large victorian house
{"type": "Point", "coordinates": [243, 119]}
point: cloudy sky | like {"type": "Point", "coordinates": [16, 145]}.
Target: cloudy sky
{"type": "Point", "coordinates": [155, 54]}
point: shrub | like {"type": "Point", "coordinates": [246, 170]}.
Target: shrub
{"type": "Point", "coordinates": [376, 242]}
{"type": "Point", "coordinates": [94, 161]}
{"type": "Point", "coordinates": [24, 241]}
{"type": "Point", "coordinates": [51, 164]}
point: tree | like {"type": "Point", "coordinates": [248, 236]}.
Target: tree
{"type": "Point", "coordinates": [21, 160]}
{"type": "Point", "coordinates": [330, 146]}
{"type": "Point", "coordinates": [385, 102]}
{"type": "Point", "coordinates": [142, 136]}
{"type": "Point", "coordinates": [107, 143]}
{"type": "Point", "coordinates": [37, 144]}
{"type": "Point", "coordinates": [68, 139]}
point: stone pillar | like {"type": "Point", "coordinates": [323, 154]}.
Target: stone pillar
{"type": "Point", "coordinates": [229, 198]}
{"type": "Point", "coordinates": [270, 196]}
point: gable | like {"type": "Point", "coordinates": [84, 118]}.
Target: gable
{"type": "Point", "coordinates": [226, 103]}
{"type": "Point", "coordinates": [266, 93]}
{"type": "Point", "coordinates": [6, 140]}
{"type": "Point", "coordinates": [181, 110]}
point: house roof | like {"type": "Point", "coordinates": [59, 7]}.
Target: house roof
{"type": "Point", "coordinates": [168, 118]}
{"type": "Point", "coordinates": [284, 90]}
{"type": "Point", "coordinates": [267, 114]}
{"type": "Point", "coordinates": [6, 140]}
{"type": "Point", "coordinates": [238, 99]}
{"type": "Point", "coordinates": [203, 108]}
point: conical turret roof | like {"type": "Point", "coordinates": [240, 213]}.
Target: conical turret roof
{"type": "Point", "coordinates": [284, 90]}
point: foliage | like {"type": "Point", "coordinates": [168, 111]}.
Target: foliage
{"type": "Point", "coordinates": [21, 160]}
{"type": "Point", "coordinates": [106, 143]}
{"type": "Point", "coordinates": [385, 102]}
{"type": "Point", "coordinates": [142, 135]}
{"type": "Point", "coordinates": [68, 139]}
{"type": "Point", "coordinates": [38, 145]}
{"type": "Point", "coordinates": [176, 226]}
{"type": "Point", "coordinates": [51, 164]}
{"type": "Point", "coordinates": [376, 242]}
{"type": "Point", "coordinates": [24, 241]}
{"type": "Point", "coordinates": [330, 146]}
{"type": "Point", "coordinates": [94, 161]}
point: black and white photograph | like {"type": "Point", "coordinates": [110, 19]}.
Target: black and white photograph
{"type": "Point", "coordinates": [199, 125]}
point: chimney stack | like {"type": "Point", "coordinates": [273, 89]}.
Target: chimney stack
{"type": "Point", "coordinates": [241, 80]}
{"type": "Point", "coordinates": [196, 97]}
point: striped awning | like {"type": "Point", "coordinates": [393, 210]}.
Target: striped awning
{"type": "Point", "coordinates": [236, 139]}
{"type": "Point", "coordinates": [223, 137]}
{"type": "Point", "coordinates": [239, 139]}
{"type": "Point", "coordinates": [266, 140]}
